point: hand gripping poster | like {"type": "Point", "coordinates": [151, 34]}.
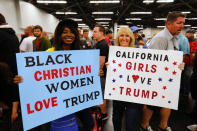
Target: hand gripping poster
{"type": "Point", "coordinates": [144, 76]}
{"type": "Point", "coordinates": [56, 84]}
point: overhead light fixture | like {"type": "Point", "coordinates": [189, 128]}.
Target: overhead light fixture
{"type": "Point", "coordinates": [51, 2]}
{"type": "Point", "coordinates": [192, 18]}
{"type": "Point", "coordinates": [66, 13]}
{"type": "Point", "coordinates": [133, 19]}
{"type": "Point", "coordinates": [187, 25]}
{"type": "Point", "coordinates": [123, 26]}
{"type": "Point", "coordinates": [160, 18]}
{"type": "Point", "coordinates": [148, 1]}
{"type": "Point", "coordinates": [102, 19]}
{"type": "Point", "coordinates": [70, 13]}
{"type": "Point", "coordinates": [103, 22]}
{"type": "Point", "coordinates": [160, 26]}
{"type": "Point", "coordinates": [82, 25]}
{"type": "Point", "coordinates": [104, 1]}
{"type": "Point", "coordinates": [135, 13]}
{"type": "Point", "coordinates": [164, 1]}
{"type": "Point", "coordinates": [60, 13]}
{"type": "Point", "coordinates": [101, 13]}
{"type": "Point", "coordinates": [194, 27]}
{"type": "Point", "coordinates": [186, 12]}
{"type": "Point", "coordinates": [75, 19]}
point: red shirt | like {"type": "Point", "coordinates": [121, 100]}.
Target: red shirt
{"type": "Point", "coordinates": [37, 44]}
{"type": "Point", "coordinates": [108, 40]}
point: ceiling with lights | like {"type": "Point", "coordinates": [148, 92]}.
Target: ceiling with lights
{"type": "Point", "coordinates": [143, 13]}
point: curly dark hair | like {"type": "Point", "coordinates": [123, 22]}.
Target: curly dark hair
{"type": "Point", "coordinates": [72, 25]}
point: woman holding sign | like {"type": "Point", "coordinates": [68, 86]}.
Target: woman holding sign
{"type": "Point", "coordinates": [125, 38]}
{"type": "Point", "coordinates": [67, 38]}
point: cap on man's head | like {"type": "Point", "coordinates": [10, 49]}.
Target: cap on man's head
{"type": "Point", "coordinates": [190, 31]}
{"type": "Point", "coordinates": [134, 28]}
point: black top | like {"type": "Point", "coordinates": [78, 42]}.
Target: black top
{"type": "Point", "coordinates": [84, 44]}
{"type": "Point", "coordinates": [8, 49]}
{"type": "Point", "coordinates": [104, 51]}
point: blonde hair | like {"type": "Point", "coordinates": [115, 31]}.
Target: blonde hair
{"type": "Point", "coordinates": [125, 29]}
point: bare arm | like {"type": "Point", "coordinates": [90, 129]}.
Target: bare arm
{"type": "Point", "coordinates": [14, 114]}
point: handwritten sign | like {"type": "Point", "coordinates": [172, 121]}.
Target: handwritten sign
{"type": "Point", "coordinates": [145, 76]}
{"type": "Point", "coordinates": [57, 84]}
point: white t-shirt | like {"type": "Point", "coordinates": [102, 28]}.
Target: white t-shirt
{"type": "Point", "coordinates": [27, 44]}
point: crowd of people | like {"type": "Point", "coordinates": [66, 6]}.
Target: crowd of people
{"type": "Point", "coordinates": [68, 36]}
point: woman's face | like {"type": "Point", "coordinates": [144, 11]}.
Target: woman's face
{"type": "Point", "coordinates": [67, 36]}
{"type": "Point", "coordinates": [124, 39]}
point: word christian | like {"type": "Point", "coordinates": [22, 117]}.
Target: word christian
{"type": "Point", "coordinates": [51, 74]}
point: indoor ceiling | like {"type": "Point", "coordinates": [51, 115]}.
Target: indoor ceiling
{"type": "Point", "coordinates": [122, 12]}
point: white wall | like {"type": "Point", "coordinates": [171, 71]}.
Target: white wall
{"type": "Point", "coordinates": [31, 15]}
{"type": "Point", "coordinates": [9, 9]}
{"type": "Point", "coordinates": [20, 14]}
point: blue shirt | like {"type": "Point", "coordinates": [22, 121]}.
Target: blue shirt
{"type": "Point", "coordinates": [183, 44]}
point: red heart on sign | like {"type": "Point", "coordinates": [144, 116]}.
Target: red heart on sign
{"type": "Point", "coordinates": [135, 78]}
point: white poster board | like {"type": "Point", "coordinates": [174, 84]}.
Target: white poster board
{"type": "Point", "coordinates": [145, 76]}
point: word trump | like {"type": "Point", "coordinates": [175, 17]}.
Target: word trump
{"type": "Point", "coordinates": [81, 99]}
{"type": "Point", "coordinates": [138, 92]}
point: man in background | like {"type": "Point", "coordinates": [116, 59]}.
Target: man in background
{"type": "Point", "coordinates": [40, 43]}
{"type": "Point", "coordinates": [98, 34]}
{"type": "Point", "coordinates": [164, 40]}
{"type": "Point", "coordinates": [27, 43]}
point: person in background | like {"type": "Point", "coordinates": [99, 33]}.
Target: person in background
{"type": "Point", "coordinates": [193, 45]}
{"type": "Point", "coordinates": [9, 95]}
{"type": "Point", "coordinates": [44, 34]}
{"type": "Point", "coordinates": [27, 43]}
{"type": "Point", "coordinates": [83, 43]}
{"type": "Point", "coordinates": [164, 40]}
{"type": "Point", "coordinates": [87, 39]}
{"type": "Point", "coordinates": [193, 83]}
{"type": "Point", "coordinates": [125, 38]}
{"type": "Point", "coordinates": [141, 43]}
{"type": "Point", "coordinates": [108, 36]}
{"type": "Point", "coordinates": [135, 31]}
{"type": "Point", "coordinates": [80, 34]}
{"type": "Point", "coordinates": [190, 34]}
{"type": "Point", "coordinates": [85, 34]}
{"type": "Point", "coordinates": [52, 40]}
{"type": "Point", "coordinates": [27, 33]}
{"type": "Point", "coordinates": [40, 43]}
{"type": "Point", "coordinates": [98, 34]}
{"type": "Point", "coordinates": [145, 39]}
{"type": "Point", "coordinates": [185, 48]}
